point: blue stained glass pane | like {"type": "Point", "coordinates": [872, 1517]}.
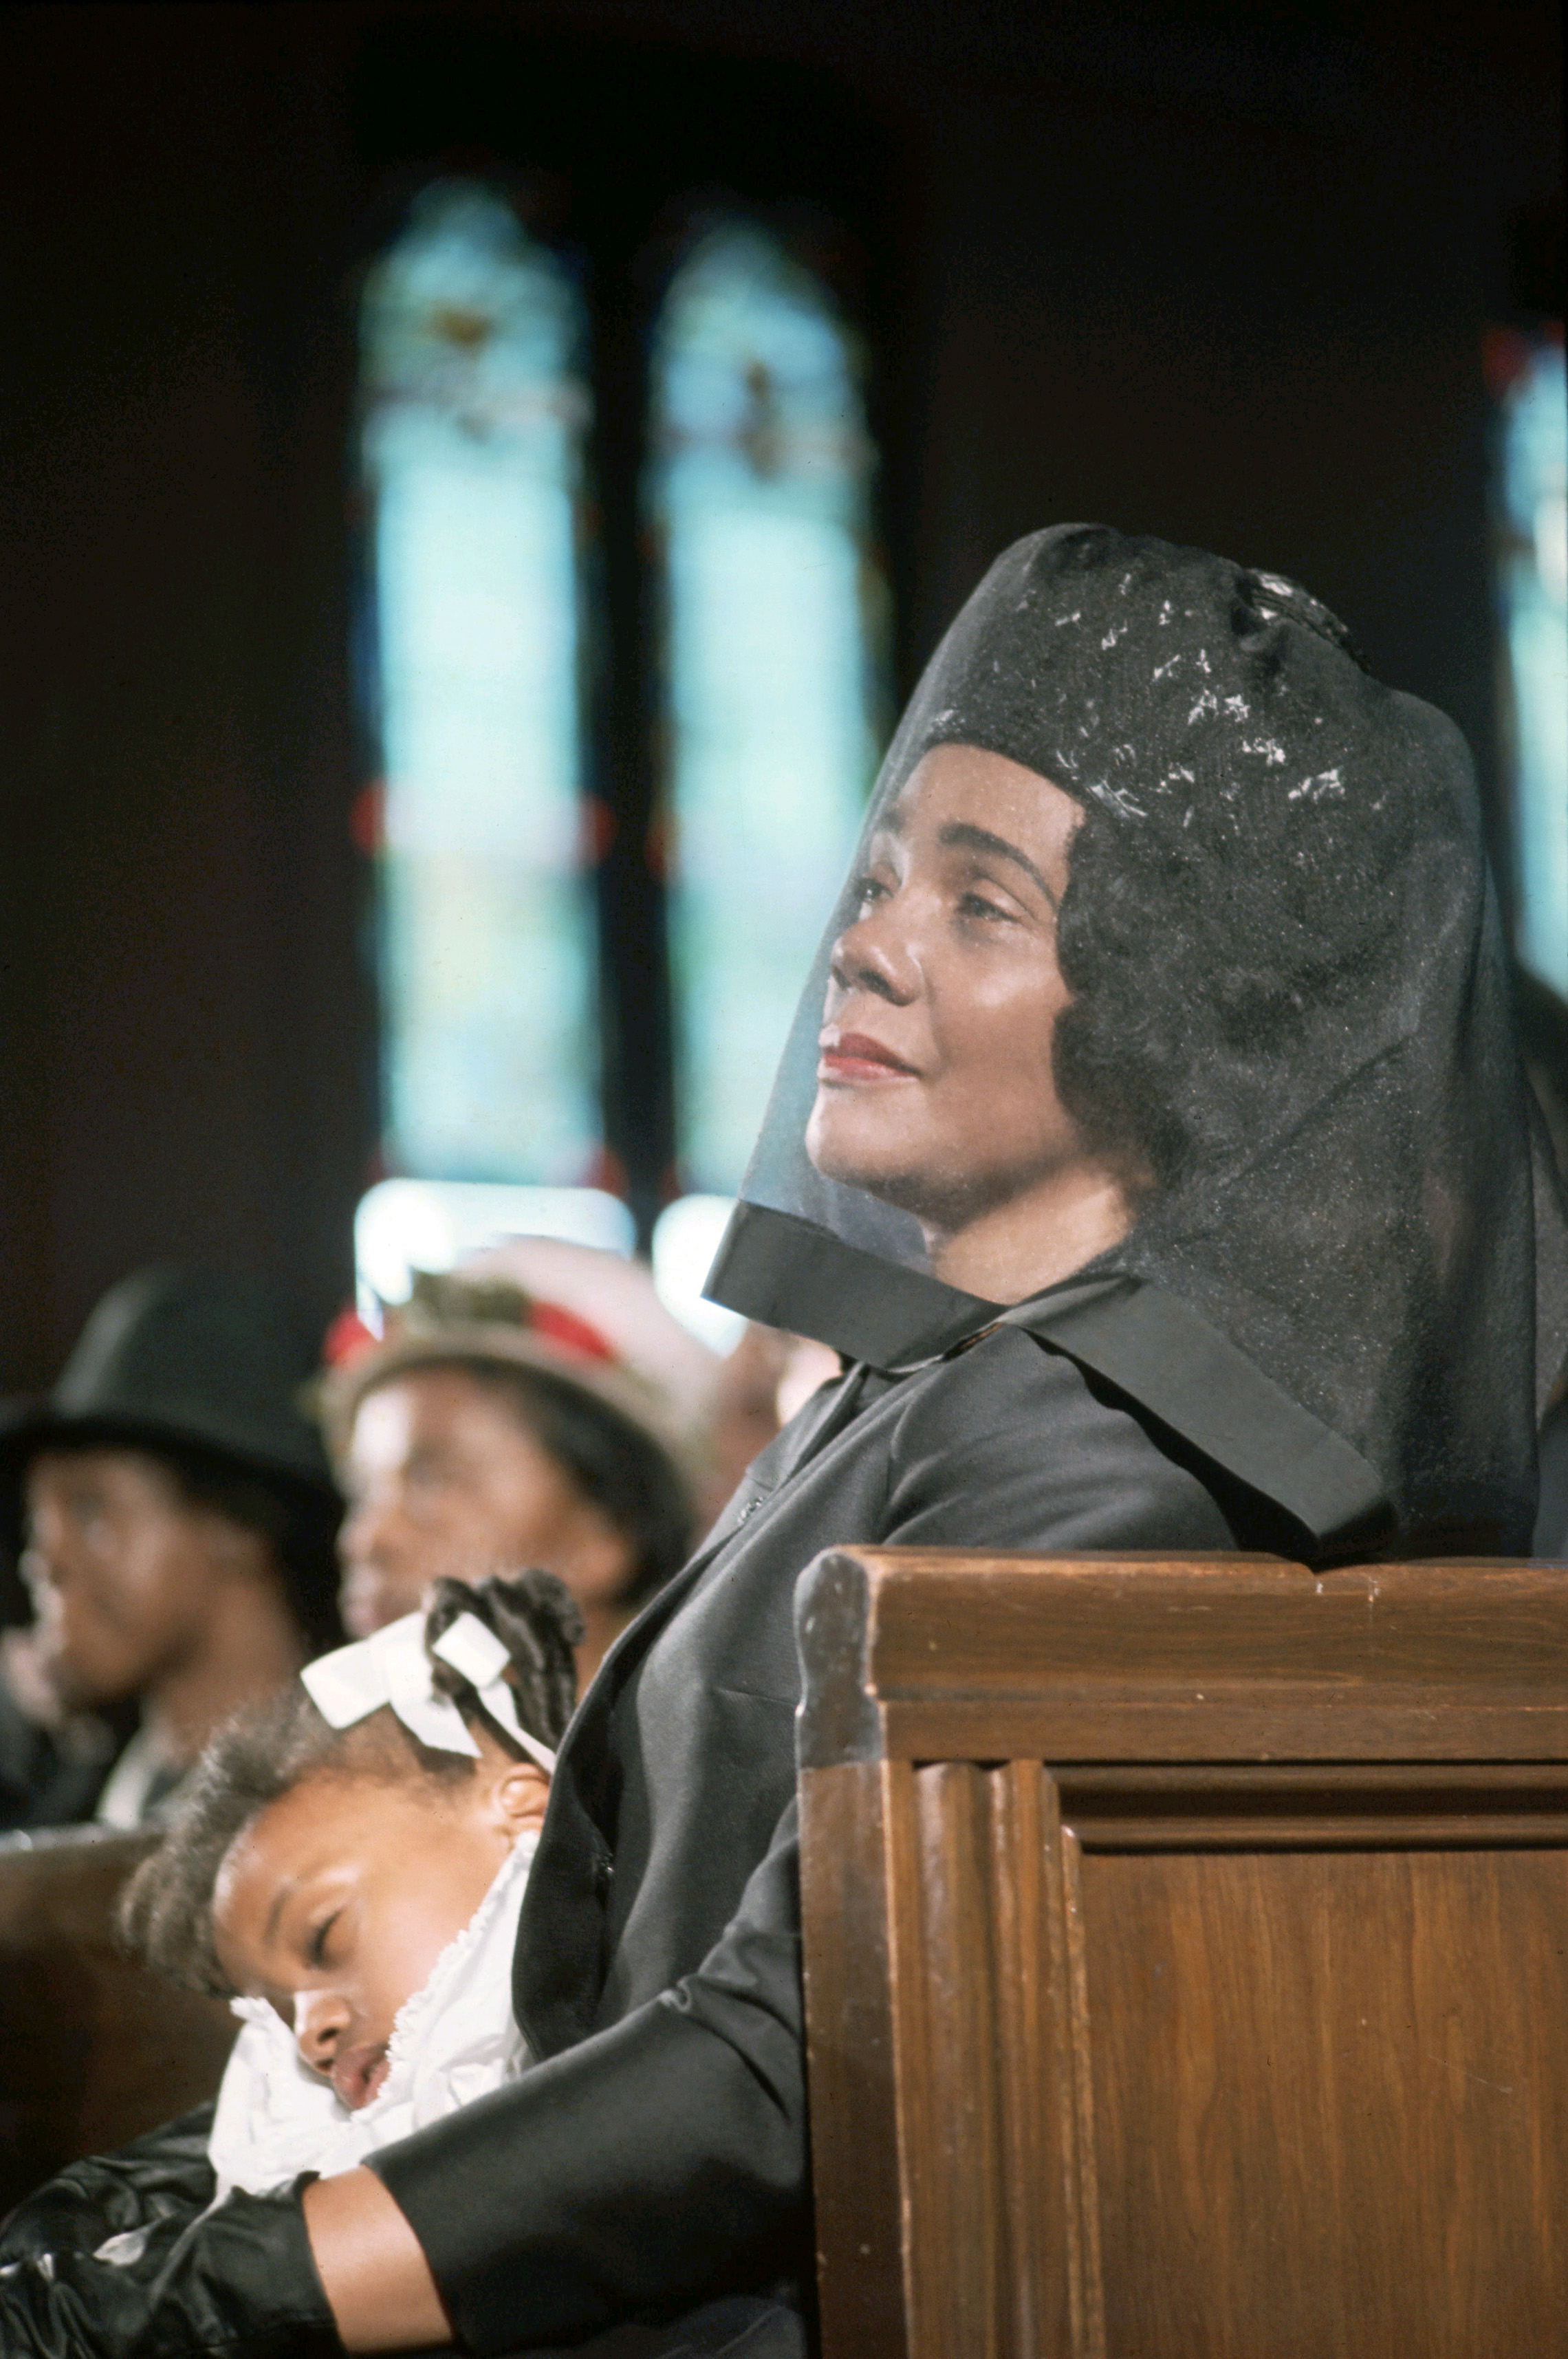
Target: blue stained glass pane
{"type": "Point", "coordinates": [760, 495]}
{"type": "Point", "coordinates": [475, 411]}
{"type": "Point", "coordinates": [1530, 520]}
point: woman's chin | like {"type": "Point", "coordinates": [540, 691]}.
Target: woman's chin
{"type": "Point", "coordinates": [851, 1147]}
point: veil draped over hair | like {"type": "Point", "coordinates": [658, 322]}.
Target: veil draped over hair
{"type": "Point", "coordinates": [1289, 1002]}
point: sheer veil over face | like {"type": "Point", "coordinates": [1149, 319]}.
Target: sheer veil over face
{"type": "Point", "coordinates": [1169, 968]}
{"type": "Point", "coordinates": [936, 1086]}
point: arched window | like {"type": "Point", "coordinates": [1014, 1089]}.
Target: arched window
{"type": "Point", "coordinates": [736, 497]}
{"type": "Point", "coordinates": [474, 412]}
{"type": "Point", "coordinates": [1530, 520]}
{"type": "Point", "coordinates": [759, 495]}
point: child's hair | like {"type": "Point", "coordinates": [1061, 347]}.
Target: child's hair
{"type": "Point", "coordinates": [165, 1913]}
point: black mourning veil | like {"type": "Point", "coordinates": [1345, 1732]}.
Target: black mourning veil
{"type": "Point", "coordinates": [1289, 1002]}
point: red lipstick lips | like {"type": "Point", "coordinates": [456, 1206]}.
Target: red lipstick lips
{"type": "Point", "coordinates": [857, 1057]}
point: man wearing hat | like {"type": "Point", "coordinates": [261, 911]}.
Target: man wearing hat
{"type": "Point", "coordinates": [177, 1521]}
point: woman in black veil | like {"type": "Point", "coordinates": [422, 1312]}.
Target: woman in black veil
{"type": "Point", "coordinates": [1281, 1037]}
{"type": "Point", "coordinates": [1152, 1145]}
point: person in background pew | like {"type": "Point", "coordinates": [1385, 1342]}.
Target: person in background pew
{"type": "Point", "coordinates": [539, 1406]}
{"type": "Point", "coordinates": [1151, 1144]}
{"type": "Point", "coordinates": [178, 1521]}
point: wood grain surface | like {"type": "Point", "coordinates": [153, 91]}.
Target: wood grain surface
{"type": "Point", "coordinates": [1335, 2089]}
{"type": "Point", "coordinates": [1235, 2028]}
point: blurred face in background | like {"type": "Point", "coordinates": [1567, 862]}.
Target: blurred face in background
{"type": "Point", "coordinates": [126, 1575]}
{"type": "Point", "coordinates": [444, 1477]}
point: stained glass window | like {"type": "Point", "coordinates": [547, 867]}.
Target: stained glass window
{"type": "Point", "coordinates": [760, 485]}
{"type": "Point", "coordinates": [1530, 542]}
{"type": "Point", "coordinates": [475, 413]}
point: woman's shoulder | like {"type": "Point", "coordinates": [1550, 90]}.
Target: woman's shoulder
{"type": "Point", "coordinates": [1008, 1443]}
{"type": "Point", "coordinates": [1003, 1373]}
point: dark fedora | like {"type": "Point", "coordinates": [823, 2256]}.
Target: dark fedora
{"type": "Point", "coordinates": [191, 1360]}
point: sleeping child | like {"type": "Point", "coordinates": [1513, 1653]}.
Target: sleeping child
{"type": "Point", "coordinates": [349, 1870]}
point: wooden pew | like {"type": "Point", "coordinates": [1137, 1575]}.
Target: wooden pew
{"type": "Point", "coordinates": [94, 2050]}
{"type": "Point", "coordinates": [1186, 1957]}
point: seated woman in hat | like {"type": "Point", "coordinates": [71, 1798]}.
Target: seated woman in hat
{"type": "Point", "coordinates": [179, 1519]}
{"type": "Point", "coordinates": [536, 1407]}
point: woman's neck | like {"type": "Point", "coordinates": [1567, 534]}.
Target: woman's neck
{"type": "Point", "coordinates": [1011, 1250]}
{"type": "Point", "coordinates": [249, 1646]}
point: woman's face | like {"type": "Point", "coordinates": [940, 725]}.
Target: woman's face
{"type": "Point", "coordinates": [444, 1478]}
{"type": "Point", "coordinates": [935, 1089]}
{"type": "Point", "coordinates": [125, 1575]}
{"type": "Point", "coordinates": [336, 1901]}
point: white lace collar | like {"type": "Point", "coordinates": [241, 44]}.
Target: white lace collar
{"type": "Point", "coordinates": [453, 2041]}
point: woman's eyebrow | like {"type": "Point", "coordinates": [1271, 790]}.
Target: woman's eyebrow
{"type": "Point", "coordinates": [980, 839]}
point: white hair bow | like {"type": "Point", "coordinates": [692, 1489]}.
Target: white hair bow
{"type": "Point", "coordinates": [392, 1666]}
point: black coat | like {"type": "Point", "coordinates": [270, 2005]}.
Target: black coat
{"type": "Point", "coordinates": [656, 2155]}
{"type": "Point", "coordinates": [43, 1784]}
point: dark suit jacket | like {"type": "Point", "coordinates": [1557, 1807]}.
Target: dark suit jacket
{"type": "Point", "coordinates": [40, 1784]}
{"type": "Point", "coordinates": [657, 2153]}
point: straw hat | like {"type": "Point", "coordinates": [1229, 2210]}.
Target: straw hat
{"type": "Point", "coordinates": [585, 1318]}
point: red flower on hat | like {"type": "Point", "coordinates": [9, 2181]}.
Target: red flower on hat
{"type": "Point", "coordinates": [561, 1326]}
{"type": "Point", "coordinates": [346, 1340]}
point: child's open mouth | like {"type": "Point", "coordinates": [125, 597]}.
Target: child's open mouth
{"type": "Point", "coordinates": [358, 2074]}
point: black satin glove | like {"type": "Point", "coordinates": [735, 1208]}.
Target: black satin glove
{"type": "Point", "coordinates": [157, 2185]}
{"type": "Point", "coordinates": [235, 2283]}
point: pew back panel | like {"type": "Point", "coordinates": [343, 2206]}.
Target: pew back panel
{"type": "Point", "coordinates": [94, 2050]}
{"type": "Point", "coordinates": [1186, 1956]}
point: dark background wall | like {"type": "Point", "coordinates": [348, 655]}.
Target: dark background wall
{"type": "Point", "coordinates": [1217, 273]}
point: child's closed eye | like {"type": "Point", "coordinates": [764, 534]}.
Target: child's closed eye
{"type": "Point", "coordinates": [316, 1949]}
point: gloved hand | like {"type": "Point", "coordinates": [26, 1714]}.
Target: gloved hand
{"type": "Point", "coordinates": [237, 2283]}
{"type": "Point", "coordinates": [159, 2182]}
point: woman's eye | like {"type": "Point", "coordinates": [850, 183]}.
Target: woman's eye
{"type": "Point", "coordinates": [975, 905]}
{"type": "Point", "coordinates": [868, 889]}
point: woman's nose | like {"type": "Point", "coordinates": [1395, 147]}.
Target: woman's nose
{"type": "Point", "coordinates": [364, 1535]}
{"type": "Point", "coordinates": [37, 1567]}
{"type": "Point", "coordinates": [45, 1560]}
{"type": "Point", "coordinates": [321, 2018]}
{"type": "Point", "coordinates": [875, 954]}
